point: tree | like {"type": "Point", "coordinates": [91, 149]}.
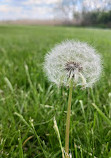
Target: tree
{"type": "Point", "coordinates": [64, 9]}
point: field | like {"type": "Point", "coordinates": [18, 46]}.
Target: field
{"type": "Point", "coordinates": [28, 101]}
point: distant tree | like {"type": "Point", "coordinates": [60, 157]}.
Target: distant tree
{"type": "Point", "coordinates": [64, 8]}
{"type": "Point", "coordinates": [94, 5]}
{"type": "Point", "coordinates": [84, 12]}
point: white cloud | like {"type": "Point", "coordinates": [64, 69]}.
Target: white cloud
{"type": "Point", "coordinates": [51, 1]}
{"type": "Point", "coordinates": [6, 1]}
{"type": "Point", "coordinates": [33, 2]}
{"type": "Point", "coordinates": [20, 12]}
{"type": "Point", "coordinates": [95, 4]}
{"type": "Point", "coordinates": [33, 9]}
{"type": "Point", "coordinates": [26, 9]}
{"type": "Point", "coordinates": [9, 9]}
{"type": "Point", "coordinates": [3, 8]}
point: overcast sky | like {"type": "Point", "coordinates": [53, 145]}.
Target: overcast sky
{"type": "Point", "coordinates": [37, 9]}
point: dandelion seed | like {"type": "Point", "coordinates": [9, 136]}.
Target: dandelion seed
{"type": "Point", "coordinates": [72, 59]}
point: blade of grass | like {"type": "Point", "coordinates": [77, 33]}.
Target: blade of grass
{"type": "Point", "coordinates": [21, 117]}
{"type": "Point", "coordinates": [58, 135]}
{"type": "Point", "coordinates": [75, 150]}
{"type": "Point", "coordinates": [38, 139]}
{"type": "Point", "coordinates": [9, 84]}
{"type": "Point", "coordinates": [102, 114]}
{"type": "Point", "coordinates": [20, 146]}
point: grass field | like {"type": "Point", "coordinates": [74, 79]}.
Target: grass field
{"type": "Point", "coordinates": [28, 102]}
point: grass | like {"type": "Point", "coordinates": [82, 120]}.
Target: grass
{"type": "Point", "coordinates": [28, 102]}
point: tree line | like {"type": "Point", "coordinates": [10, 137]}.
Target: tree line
{"type": "Point", "coordinates": [95, 18]}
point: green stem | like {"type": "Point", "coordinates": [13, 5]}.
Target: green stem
{"type": "Point", "coordinates": [68, 121]}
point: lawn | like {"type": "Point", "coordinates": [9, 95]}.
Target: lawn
{"type": "Point", "coordinates": [28, 102]}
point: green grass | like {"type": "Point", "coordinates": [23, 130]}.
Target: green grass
{"type": "Point", "coordinates": [28, 102]}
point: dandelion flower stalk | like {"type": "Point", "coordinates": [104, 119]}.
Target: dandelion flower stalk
{"type": "Point", "coordinates": [72, 63]}
{"type": "Point", "coordinates": [68, 120]}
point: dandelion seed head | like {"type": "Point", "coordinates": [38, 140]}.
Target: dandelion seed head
{"type": "Point", "coordinates": [75, 60]}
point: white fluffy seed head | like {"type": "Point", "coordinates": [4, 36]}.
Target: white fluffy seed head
{"type": "Point", "coordinates": [73, 60]}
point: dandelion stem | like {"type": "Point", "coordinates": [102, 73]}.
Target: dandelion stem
{"type": "Point", "coordinates": [68, 121]}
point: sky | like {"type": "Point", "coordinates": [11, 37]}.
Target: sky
{"type": "Point", "coordinates": [26, 9]}
{"type": "Point", "coordinates": [40, 9]}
